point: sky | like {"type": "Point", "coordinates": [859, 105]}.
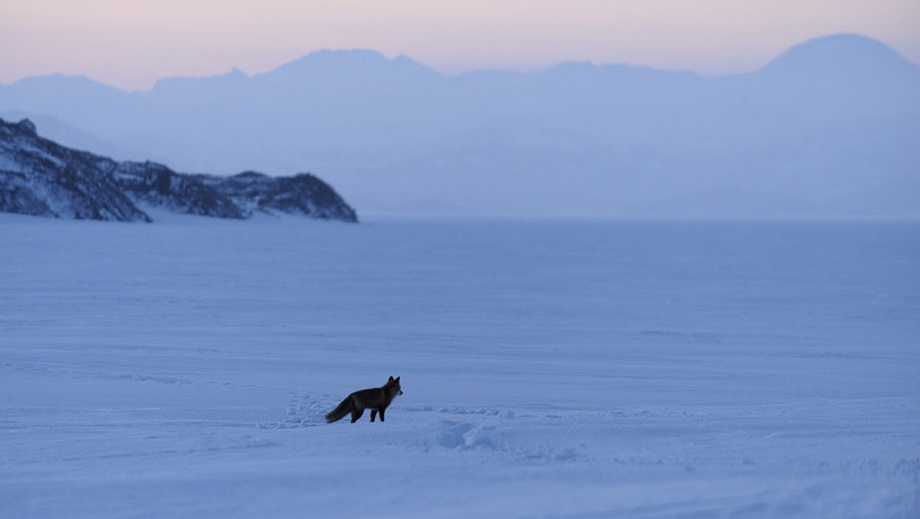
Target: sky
{"type": "Point", "coordinates": [130, 44]}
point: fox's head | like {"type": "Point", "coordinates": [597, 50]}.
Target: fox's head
{"type": "Point", "coordinates": [393, 385]}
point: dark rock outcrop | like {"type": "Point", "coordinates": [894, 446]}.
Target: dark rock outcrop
{"type": "Point", "coordinates": [158, 186]}
{"type": "Point", "coordinates": [303, 194]}
{"type": "Point", "coordinates": [42, 178]}
{"type": "Point", "coordinates": [39, 177]}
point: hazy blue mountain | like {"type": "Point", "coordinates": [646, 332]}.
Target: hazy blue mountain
{"type": "Point", "coordinates": [832, 126]}
{"type": "Point", "coordinates": [843, 56]}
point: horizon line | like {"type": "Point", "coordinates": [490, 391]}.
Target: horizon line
{"type": "Point", "coordinates": [457, 72]}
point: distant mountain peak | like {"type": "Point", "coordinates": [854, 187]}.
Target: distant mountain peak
{"type": "Point", "coordinates": [839, 54]}
{"type": "Point", "coordinates": [333, 58]}
{"type": "Point", "coordinates": [348, 62]}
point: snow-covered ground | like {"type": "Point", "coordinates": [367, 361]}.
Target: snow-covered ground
{"type": "Point", "coordinates": [550, 369]}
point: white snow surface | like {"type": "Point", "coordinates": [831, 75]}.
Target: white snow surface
{"type": "Point", "coordinates": [550, 368]}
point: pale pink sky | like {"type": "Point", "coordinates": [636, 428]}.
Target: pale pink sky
{"type": "Point", "coordinates": [132, 43]}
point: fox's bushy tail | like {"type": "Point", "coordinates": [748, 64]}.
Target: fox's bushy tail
{"type": "Point", "coordinates": [340, 411]}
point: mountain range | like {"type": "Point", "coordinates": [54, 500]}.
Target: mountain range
{"type": "Point", "coordinates": [830, 127]}
{"type": "Point", "coordinates": [43, 178]}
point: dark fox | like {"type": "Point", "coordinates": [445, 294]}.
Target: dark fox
{"type": "Point", "coordinates": [376, 399]}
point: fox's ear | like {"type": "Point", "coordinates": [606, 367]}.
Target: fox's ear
{"type": "Point", "coordinates": [390, 379]}
{"type": "Point", "coordinates": [397, 380]}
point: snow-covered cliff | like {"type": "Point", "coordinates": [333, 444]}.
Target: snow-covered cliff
{"type": "Point", "coordinates": [40, 177]}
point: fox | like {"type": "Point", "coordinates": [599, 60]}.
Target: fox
{"type": "Point", "coordinates": [377, 399]}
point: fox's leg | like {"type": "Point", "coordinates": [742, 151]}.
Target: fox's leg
{"type": "Point", "coordinates": [374, 415]}
{"type": "Point", "coordinates": [356, 413]}
{"type": "Point", "coordinates": [382, 409]}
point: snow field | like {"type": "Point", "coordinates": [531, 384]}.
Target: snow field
{"type": "Point", "coordinates": [550, 369]}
